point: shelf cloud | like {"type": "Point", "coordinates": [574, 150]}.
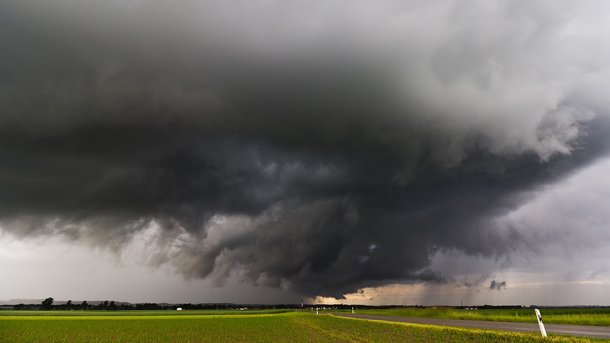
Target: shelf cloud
{"type": "Point", "coordinates": [319, 146]}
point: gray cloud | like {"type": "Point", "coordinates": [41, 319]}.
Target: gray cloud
{"type": "Point", "coordinates": [313, 147]}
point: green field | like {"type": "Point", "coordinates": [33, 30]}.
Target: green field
{"type": "Point", "coordinates": [580, 316]}
{"type": "Point", "coordinates": [220, 326]}
{"type": "Point", "coordinates": [135, 313]}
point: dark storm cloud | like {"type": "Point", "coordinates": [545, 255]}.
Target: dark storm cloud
{"type": "Point", "coordinates": [497, 285]}
{"type": "Point", "coordinates": [309, 146]}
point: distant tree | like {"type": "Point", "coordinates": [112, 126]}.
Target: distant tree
{"type": "Point", "coordinates": [84, 305]}
{"type": "Point", "coordinates": [112, 306]}
{"type": "Point", "coordinates": [47, 304]}
{"type": "Point", "coordinates": [69, 305]}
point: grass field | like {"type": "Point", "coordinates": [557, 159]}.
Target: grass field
{"type": "Point", "coordinates": [211, 326]}
{"type": "Point", "coordinates": [135, 313]}
{"type": "Point", "coordinates": [581, 316]}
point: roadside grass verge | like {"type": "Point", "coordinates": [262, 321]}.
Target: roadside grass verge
{"type": "Point", "coordinates": [575, 316]}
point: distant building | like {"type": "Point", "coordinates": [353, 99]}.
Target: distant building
{"type": "Point", "coordinates": [179, 309]}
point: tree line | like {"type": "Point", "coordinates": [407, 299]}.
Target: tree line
{"type": "Point", "coordinates": [49, 304]}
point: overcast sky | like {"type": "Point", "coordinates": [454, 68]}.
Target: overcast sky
{"type": "Point", "coordinates": [266, 151]}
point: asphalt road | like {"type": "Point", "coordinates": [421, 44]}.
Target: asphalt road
{"type": "Point", "coordinates": [557, 329]}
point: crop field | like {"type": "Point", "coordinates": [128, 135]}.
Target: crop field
{"type": "Point", "coordinates": [577, 316]}
{"type": "Point", "coordinates": [227, 326]}
{"type": "Point", "coordinates": [135, 313]}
